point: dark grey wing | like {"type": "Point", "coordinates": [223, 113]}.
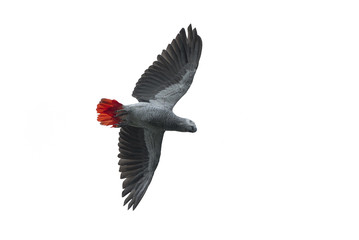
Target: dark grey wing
{"type": "Point", "coordinates": [169, 78]}
{"type": "Point", "coordinates": [140, 151]}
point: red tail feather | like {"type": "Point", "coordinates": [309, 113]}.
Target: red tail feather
{"type": "Point", "coordinates": [107, 110]}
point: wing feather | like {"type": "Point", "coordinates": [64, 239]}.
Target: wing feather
{"type": "Point", "coordinates": [169, 78]}
{"type": "Point", "coordinates": [140, 151]}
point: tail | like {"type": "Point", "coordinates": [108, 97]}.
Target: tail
{"type": "Point", "coordinates": [109, 112]}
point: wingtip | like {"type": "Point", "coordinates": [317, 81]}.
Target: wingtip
{"type": "Point", "coordinates": [191, 29]}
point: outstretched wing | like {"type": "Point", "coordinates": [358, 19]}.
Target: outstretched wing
{"type": "Point", "coordinates": [140, 151]}
{"type": "Point", "coordinates": [169, 78]}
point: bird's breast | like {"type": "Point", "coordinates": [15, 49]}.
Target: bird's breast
{"type": "Point", "coordinates": [148, 116]}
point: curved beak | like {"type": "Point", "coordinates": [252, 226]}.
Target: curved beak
{"type": "Point", "coordinates": [193, 129]}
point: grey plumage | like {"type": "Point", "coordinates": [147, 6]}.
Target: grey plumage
{"type": "Point", "coordinates": [144, 123]}
{"type": "Point", "coordinates": [180, 57]}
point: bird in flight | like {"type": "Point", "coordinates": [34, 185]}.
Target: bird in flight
{"type": "Point", "coordinates": [143, 124]}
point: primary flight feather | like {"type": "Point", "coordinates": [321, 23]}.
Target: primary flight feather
{"type": "Point", "coordinates": [143, 124]}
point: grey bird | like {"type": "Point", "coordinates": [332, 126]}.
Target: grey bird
{"type": "Point", "coordinates": [143, 124]}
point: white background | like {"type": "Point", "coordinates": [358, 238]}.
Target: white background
{"type": "Point", "coordinates": [275, 100]}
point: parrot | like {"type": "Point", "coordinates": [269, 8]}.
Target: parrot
{"type": "Point", "coordinates": [143, 124]}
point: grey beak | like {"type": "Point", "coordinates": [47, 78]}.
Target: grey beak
{"type": "Point", "coordinates": [193, 129]}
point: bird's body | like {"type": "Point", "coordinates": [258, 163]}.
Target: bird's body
{"type": "Point", "coordinates": [143, 124]}
{"type": "Point", "coordinates": [156, 118]}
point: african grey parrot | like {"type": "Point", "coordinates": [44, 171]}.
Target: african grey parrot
{"type": "Point", "coordinates": [143, 124]}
